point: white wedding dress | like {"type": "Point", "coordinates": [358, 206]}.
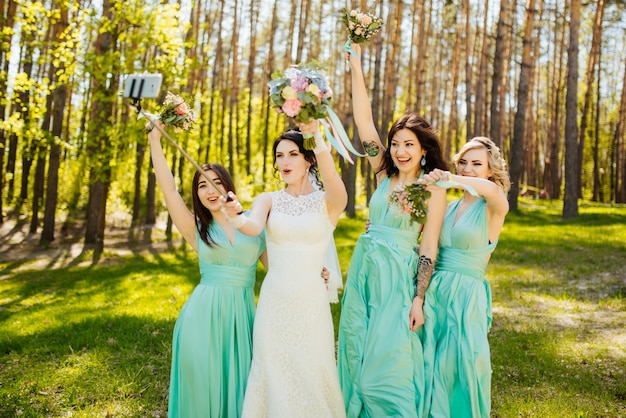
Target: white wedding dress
{"type": "Point", "coordinates": [294, 372]}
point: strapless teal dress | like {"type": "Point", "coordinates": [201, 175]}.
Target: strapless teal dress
{"type": "Point", "coordinates": [212, 342]}
{"type": "Point", "coordinates": [457, 311]}
{"type": "Point", "coordinates": [380, 360]}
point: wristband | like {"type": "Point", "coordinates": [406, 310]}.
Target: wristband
{"type": "Point", "coordinates": [320, 145]}
{"type": "Point", "coordinates": [238, 221]}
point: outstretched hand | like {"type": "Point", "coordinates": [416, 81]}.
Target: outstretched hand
{"type": "Point", "coordinates": [231, 207]}
{"type": "Point", "coordinates": [434, 176]}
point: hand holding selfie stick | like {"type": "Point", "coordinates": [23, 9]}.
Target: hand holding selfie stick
{"type": "Point", "coordinates": [154, 122]}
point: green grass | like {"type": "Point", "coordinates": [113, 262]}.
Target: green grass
{"type": "Point", "coordinates": [94, 339]}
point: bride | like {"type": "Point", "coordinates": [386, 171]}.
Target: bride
{"type": "Point", "coordinates": [294, 372]}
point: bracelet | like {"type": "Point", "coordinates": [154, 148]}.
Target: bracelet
{"type": "Point", "coordinates": [238, 221]}
{"type": "Point", "coordinates": [320, 145]}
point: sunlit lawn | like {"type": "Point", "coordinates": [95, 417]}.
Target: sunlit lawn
{"type": "Point", "coordinates": [89, 340]}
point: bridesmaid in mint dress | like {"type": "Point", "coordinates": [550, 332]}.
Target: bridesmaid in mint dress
{"type": "Point", "coordinates": [379, 353]}
{"type": "Point", "coordinates": [212, 342]}
{"type": "Point", "coordinates": [458, 302]}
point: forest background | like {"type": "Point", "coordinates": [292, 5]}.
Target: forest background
{"type": "Point", "coordinates": [545, 79]}
{"type": "Point", "coordinates": [87, 333]}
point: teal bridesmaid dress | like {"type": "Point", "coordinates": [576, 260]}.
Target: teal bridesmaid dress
{"type": "Point", "coordinates": [212, 342]}
{"type": "Point", "coordinates": [457, 311]}
{"type": "Point", "coordinates": [379, 358]}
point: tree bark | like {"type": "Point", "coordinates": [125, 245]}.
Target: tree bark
{"type": "Point", "coordinates": [552, 173]}
{"type": "Point", "coordinates": [100, 121]}
{"type": "Point", "coordinates": [502, 33]}
{"type": "Point", "coordinates": [234, 93]}
{"type": "Point", "coordinates": [59, 97]}
{"type": "Point", "coordinates": [589, 76]}
{"type": "Point", "coordinates": [254, 21]}
{"type": "Point", "coordinates": [620, 148]}
{"type": "Point", "coordinates": [570, 200]}
{"type": "Point", "coordinates": [7, 20]}
{"type": "Point", "coordinates": [519, 126]}
{"type": "Point", "coordinates": [481, 80]}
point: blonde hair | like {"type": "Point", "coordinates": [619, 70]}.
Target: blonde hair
{"type": "Point", "coordinates": [496, 163]}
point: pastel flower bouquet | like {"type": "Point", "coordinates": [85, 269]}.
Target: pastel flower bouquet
{"type": "Point", "coordinates": [302, 92]}
{"type": "Point", "coordinates": [176, 113]}
{"type": "Point", "coordinates": [361, 26]}
{"type": "Point", "coordinates": [411, 199]}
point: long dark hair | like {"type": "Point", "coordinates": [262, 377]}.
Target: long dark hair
{"type": "Point", "coordinates": [295, 136]}
{"type": "Point", "coordinates": [201, 213]}
{"type": "Point", "coordinates": [427, 137]}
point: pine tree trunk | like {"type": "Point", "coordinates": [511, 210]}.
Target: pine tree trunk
{"type": "Point", "coordinates": [519, 126]}
{"type": "Point", "coordinates": [101, 115]}
{"type": "Point", "coordinates": [620, 148]}
{"type": "Point", "coordinates": [502, 33]}
{"type": "Point", "coordinates": [570, 200]}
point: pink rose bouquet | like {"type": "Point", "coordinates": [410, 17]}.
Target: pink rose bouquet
{"type": "Point", "coordinates": [176, 113]}
{"type": "Point", "coordinates": [361, 26]}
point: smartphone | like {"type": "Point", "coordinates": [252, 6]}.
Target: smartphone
{"type": "Point", "coordinates": [142, 86]}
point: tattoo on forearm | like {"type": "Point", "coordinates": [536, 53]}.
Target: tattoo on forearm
{"type": "Point", "coordinates": [371, 148]}
{"type": "Point", "coordinates": [422, 278]}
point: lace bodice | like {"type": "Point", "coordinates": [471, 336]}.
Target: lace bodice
{"type": "Point", "coordinates": [298, 231]}
{"type": "Point", "coordinates": [310, 203]}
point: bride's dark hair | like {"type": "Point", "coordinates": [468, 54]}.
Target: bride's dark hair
{"type": "Point", "coordinates": [295, 136]}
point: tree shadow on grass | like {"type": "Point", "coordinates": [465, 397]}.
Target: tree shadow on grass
{"type": "Point", "coordinates": [534, 364]}
{"type": "Point", "coordinates": [37, 291]}
{"type": "Point", "coordinates": [103, 360]}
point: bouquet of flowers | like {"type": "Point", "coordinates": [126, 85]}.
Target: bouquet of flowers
{"type": "Point", "coordinates": [176, 112]}
{"type": "Point", "coordinates": [302, 93]}
{"type": "Point", "coordinates": [361, 26]}
{"type": "Point", "coordinates": [411, 199]}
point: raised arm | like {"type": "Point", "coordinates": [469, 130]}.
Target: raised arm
{"type": "Point", "coordinates": [497, 203]}
{"type": "Point", "coordinates": [362, 109]}
{"type": "Point", "coordinates": [182, 217]}
{"type": "Point", "coordinates": [336, 195]}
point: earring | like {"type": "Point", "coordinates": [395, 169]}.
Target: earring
{"type": "Point", "coordinates": [423, 162]}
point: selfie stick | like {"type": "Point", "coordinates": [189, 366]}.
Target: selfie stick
{"type": "Point", "coordinates": [154, 123]}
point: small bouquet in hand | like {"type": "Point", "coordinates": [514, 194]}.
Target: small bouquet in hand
{"type": "Point", "coordinates": [411, 199]}
{"type": "Point", "coordinates": [176, 112]}
{"type": "Point", "coordinates": [361, 26]}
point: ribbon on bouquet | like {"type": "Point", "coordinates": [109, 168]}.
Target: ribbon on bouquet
{"type": "Point", "coordinates": [338, 137]}
{"type": "Point", "coordinates": [348, 48]}
{"type": "Point", "coordinates": [447, 184]}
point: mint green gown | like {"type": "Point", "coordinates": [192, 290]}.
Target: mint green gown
{"type": "Point", "coordinates": [379, 358]}
{"type": "Point", "coordinates": [212, 342]}
{"type": "Point", "coordinates": [457, 311]}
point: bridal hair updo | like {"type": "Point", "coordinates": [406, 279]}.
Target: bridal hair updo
{"type": "Point", "coordinates": [295, 136]}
